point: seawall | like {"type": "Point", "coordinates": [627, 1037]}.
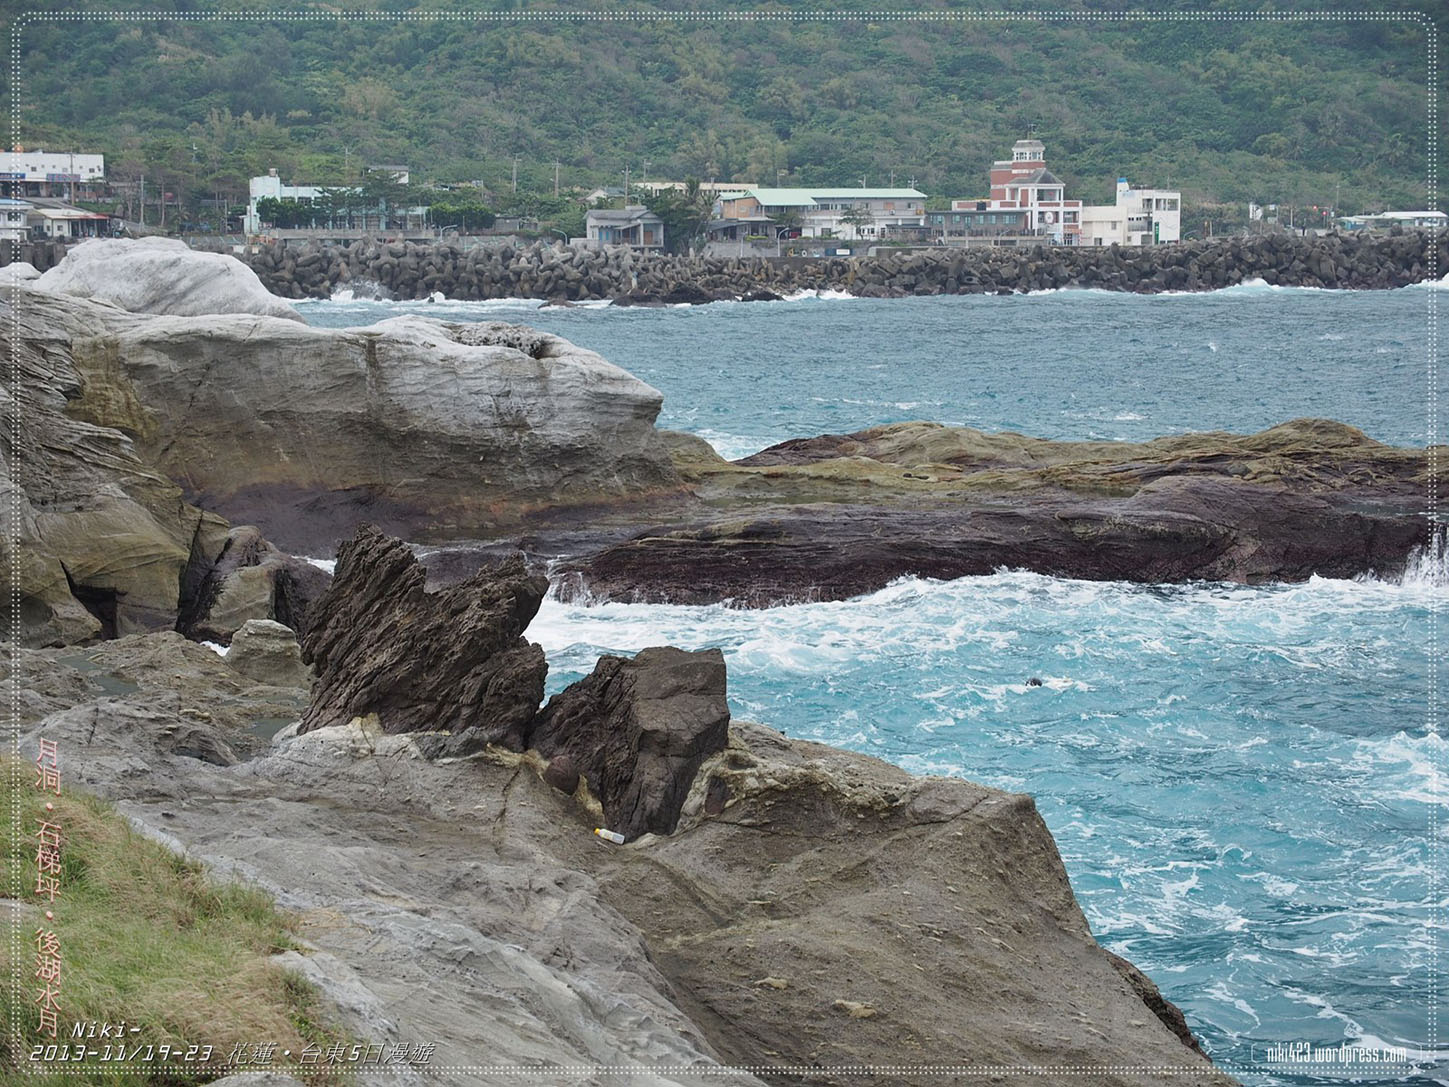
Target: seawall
{"type": "Point", "coordinates": [409, 270]}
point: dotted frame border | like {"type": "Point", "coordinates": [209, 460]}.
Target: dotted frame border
{"type": "Point", "coordinates": [703, 17]}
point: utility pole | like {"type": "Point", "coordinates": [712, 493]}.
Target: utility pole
{"type": "Point", "coordinates": [515, 173]}
{"type": "Point", "coordinates": [626, 187]}
{"type": "Point", "coordinates": [555, 178]}
{"type": "Point", "coordinates": [143, 199]}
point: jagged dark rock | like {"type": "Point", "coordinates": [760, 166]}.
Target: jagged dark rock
{"type": "Point", "coordinates": [638, 730]}
{"type": "Point", "coordinates": [453, 660]}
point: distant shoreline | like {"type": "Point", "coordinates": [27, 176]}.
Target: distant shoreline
{"type": "Point", "coordinates": [561, 274]}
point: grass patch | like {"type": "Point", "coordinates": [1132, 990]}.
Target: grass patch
{"type": "Point", "coordinates": [148, 938]}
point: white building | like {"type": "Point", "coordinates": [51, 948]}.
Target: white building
{"type": "Point", "coordinates": [51, 173]}
{"type": "Point", "coordinates": [12, 219]}
{"type": "Point", "coordinates": [1386, 220]}
{"type": "Point", "coordinates": [708, 188]}
{"type": "Point", "coordinates": [60, 221]}
{"type": "Point", "coordinates": [1139, 217]}
{"type": "Point", "coordinates": [826, 213]}
{"type": "Point", "coordinates": [260, 188]}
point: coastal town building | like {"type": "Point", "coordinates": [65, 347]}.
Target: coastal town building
{"type": "Point", "coordinates": [971, 220]}
{"type": "Point", "coordinates": [1387, 220]}
{"type": "Point", "coordinates": [54, 219]}
{"type": "Point", "coordinates": [1139, 217]}
{"type": "Point", "coordinates": [821, 213]}
{"type": "Point", "coordinates": [1023, 184]}
{"type": "Point", "coordinates": [635, 225]}
{"type": "Point", "coordinates": [1027, 204]}
{"type": "Point", "coordinates": [707, 188]}
{"type": "Point", "coordinates": [64, 174]}
{"type": "Point", "coordinates": [357, 220]}
{"type": "Point", "coordinates": [12, 219]}
{"type": "Point", "coordinates": [260, 188]}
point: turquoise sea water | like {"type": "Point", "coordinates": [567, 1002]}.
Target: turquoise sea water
{"type": "Point", "coordinates": [1243, 782]}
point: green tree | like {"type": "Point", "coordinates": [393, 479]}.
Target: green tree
{"type": "Point", "coordinates": [684, 213]}
{"type": "Point", "coordinates": [857, 217]}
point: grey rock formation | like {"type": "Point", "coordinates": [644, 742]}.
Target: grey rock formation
{"type": "Point", "coordinates": [426, 429]}
{"type": "Point", "coordinates": [161, 275]}
{"type": "Point", "coordinates": [246, 579]}
{"type": "Point", "coordinates": [638, 729]}
{"type": "Point", "coordinates": [268, 652]}
{"type": "Point", "coordinates": [454, 660]}
{"type": "Point", "coordinates": [102, 538]}
{"type": "Point", "coordinates": [19, 271]}
{"type": "Point", "coordinates": [107, 545]}
{"type": "Point", "coordinates": [834, 912]}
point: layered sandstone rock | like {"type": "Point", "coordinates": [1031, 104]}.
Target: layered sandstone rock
{"type": "Point", "coordinates": [813, 909]}
{"type": "Point", "coordinates": [429, 430]}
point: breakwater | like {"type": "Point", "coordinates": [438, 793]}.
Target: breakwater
{"type": "Point", "coordinates": [558, 272]}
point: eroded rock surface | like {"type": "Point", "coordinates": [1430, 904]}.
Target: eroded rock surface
{"type": "Point", "coordinates": [813, 909]}
{"type": "Point", "coordinates": [162, 275]}
{"type": "Point", "coordinates": [267, 652]}
{"type": "Point", "coordinates": [248, 578]}
{"type": "Point", "coordinates": [426, 429]}
{"type": "Point", "coordinates": [454, 660]}
{"type": "Point", "coordinates": [638, 729]}
{"type": "Point", "coordinates": [839, 515]}
{"type": "Point", "coordinates": [107, 545]}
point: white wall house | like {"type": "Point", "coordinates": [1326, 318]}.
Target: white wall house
{"type": "Point", "coordinates": [259, 188]}
{"type": "Point", "coordinates": [62, 222]}
{"type": "Point", "coordinates": [51, 173]}
{"type": "Point", "coordinates": [823, 212]}
{"type": "Point", "coordinates": [1139, 217]}
{"type": "Point", "coordinates": [12, 219]}
{"type": "Point", "coordinates": [1386, 220]}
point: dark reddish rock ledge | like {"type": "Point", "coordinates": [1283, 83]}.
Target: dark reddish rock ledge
{"type": "Point", "coordinates": [839, 515]}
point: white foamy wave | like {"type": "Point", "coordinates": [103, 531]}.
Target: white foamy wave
{"type": "Point", "coordinates": [734, 446]}
{"type": "Point", "coordinates": [217, 648]}
{"type": "Point", "coordinates": [1428, 564]}
{"type": "Point", "coordinates": [1415, 764]}
{"type": "Point", "coordinates": [361, 290]}
{"type": "Point", "coordinates": [820, 296]}
{"type": "Point", "coordinates": [1075, 290]}
{"type": "Point", "coordinates": [330, 565]}
{"type": "Point", "coordinates": [1441, 284]}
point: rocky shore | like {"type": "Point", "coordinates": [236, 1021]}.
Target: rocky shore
{"type": "Point", "coordinates": [561, 273]}
{"type": "Point", "coordinates": [375, 748]}
{"type": "Point", "coordinates": [779, 912]}
{"type": "Point", "coordinates": [839, 515]}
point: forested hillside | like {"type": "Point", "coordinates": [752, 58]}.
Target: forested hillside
{"type": "Point", "coordinates": [1308, 112]}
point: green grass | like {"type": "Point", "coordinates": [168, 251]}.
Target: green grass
{"type": "Point", "coordinates": [147, 937]}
